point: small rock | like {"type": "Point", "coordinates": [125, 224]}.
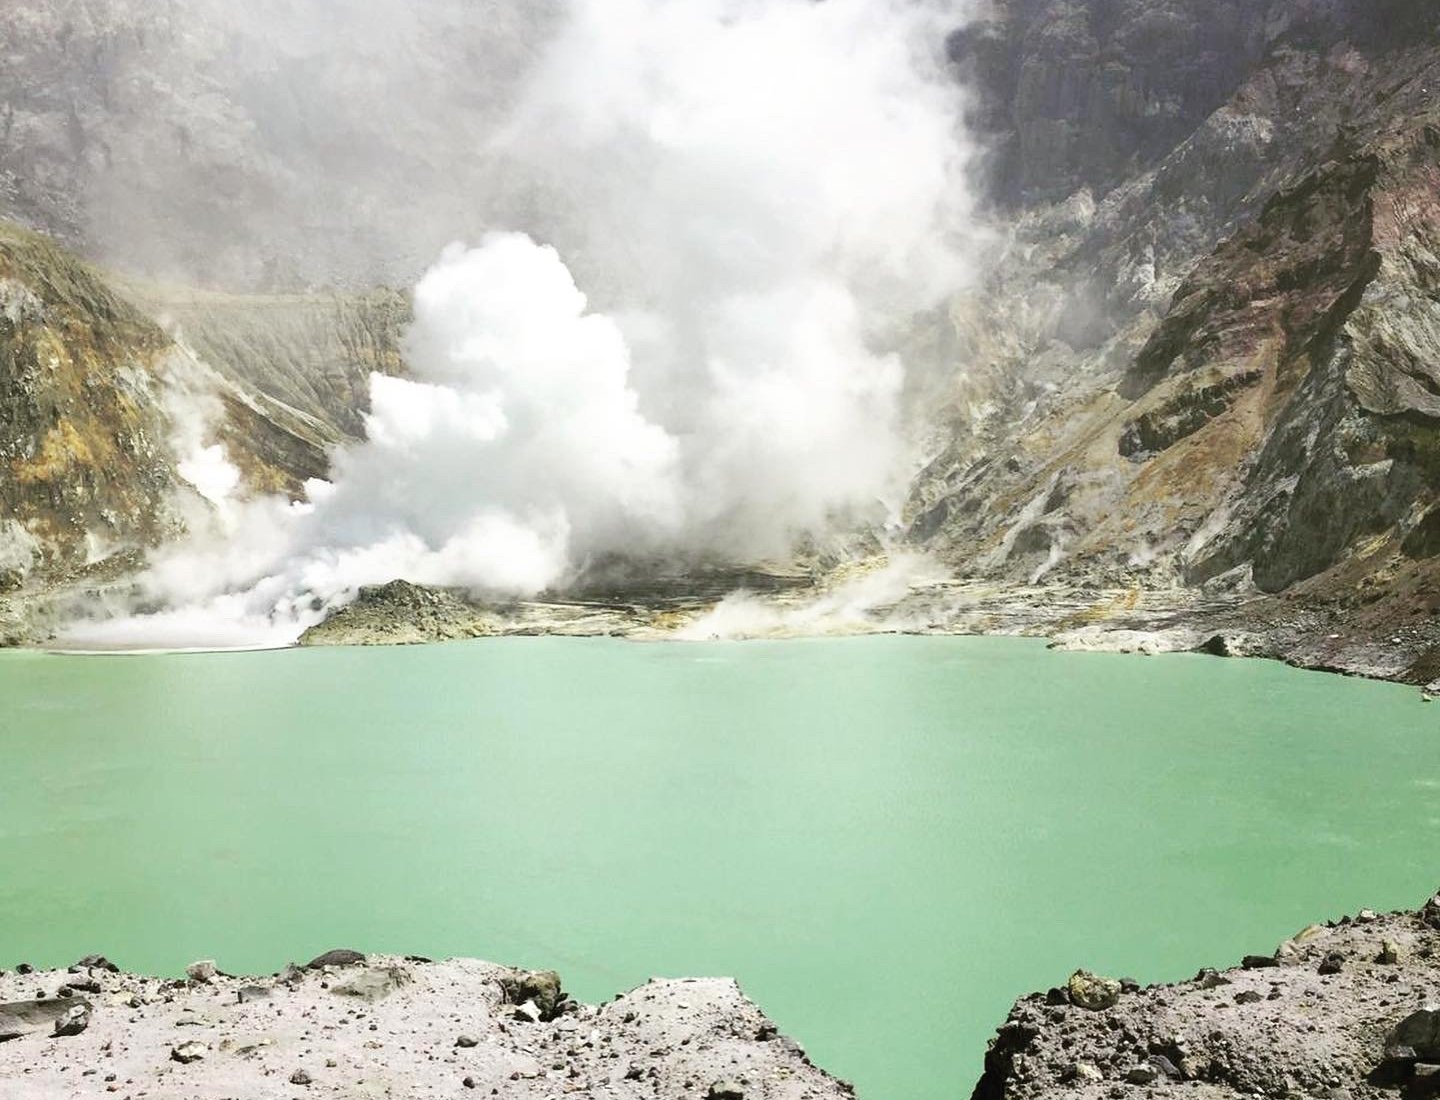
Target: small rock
{"type": "Point", "coordinates": [1333, 963]}
{"type": "Point", "coordinates": [1057, 996]}
{"type": "Point", "coordinates": [249, 993]}
{"type": "Point", "coordinates": [340, 956]}
{"type": "Point", "coordinates": [1129, 985]}
{"type": "Point", "coordinates": [1211, 979]}
{"type": "Point", "coordinates": [1083, 1071]}
{"type": "Point", "coordinates": [1142, 1075]}
{"type": "Point", "coordinates": [185, 1053]}
{"type": "Point", "coordinates": [1399, 1053]}
{"type": "Point", "coordinates": [1430, 913]}
{"type": "Point", "coordinates": [373, 983]}
{"type": "Point", "coordinates": [725, 1090]}
{"type": "Point", "coordinates": [75, 1019]}
{"type": "Point", "coordinates": [466, 1041]}
{"type": "Point", "coordinates": [94, 962]}
{"type": "Point", "coordinates": [1248, 997]}
{"type": "Point", "coordinates": [24, 968]}
{"type": "Point", "coordinates": [300, 1077]}
{"type": "Point", "coordinates": [528, 1013]}
{"type": "Point", "coordinates": [1259, 962]}
{"type": "Point", "coordinates": [1167, 1067]}
{"type": "Point", "coordinates": [469, 1082]}
{"type": "Point", "coordinates": [1389, 953]}
{"type": "Point", "coordinates": [1365, 916]}
{"type": "Point", "coordinates": [291, 975]}
{"type": "Point", "coordinates": [540, 986]}
{"type": "Point", "coordinates": [1090, 991]}
{"type": "Point", "coordinates": [202, 972]}
{"type": "Point", "coordinates": [1420, 1031]}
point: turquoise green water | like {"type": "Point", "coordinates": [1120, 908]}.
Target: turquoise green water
{"type": "Point", "coordinates": [885, 839]}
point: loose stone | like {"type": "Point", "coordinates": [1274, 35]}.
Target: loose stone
{"type": "Point", "coordinates": [185, 1053]}
{"type": "Point", "coordinates": [202, 972]}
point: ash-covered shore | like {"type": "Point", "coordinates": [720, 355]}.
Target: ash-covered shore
{"type": "Point", "coordinates": [1344, 1010]}
{"type": "Point", "coordinates": [348, 1025]}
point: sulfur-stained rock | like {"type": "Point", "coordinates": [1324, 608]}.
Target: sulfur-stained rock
{"type": "Point", "coordinates": [1091, 991]}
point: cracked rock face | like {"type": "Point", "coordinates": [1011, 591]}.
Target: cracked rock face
{"type": "Point", "coordinates": [1206, 355]}
{"type": "Point", "coordinates": [389, 1026]}
{"type": "Point", "coordinates": [1339, 1010]}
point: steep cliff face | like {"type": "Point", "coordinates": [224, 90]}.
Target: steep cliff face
{"type": "Point", "coordinates": [83, 431]}
{"type": "Point", "coordinates": [104, 414]}
{"type": "Point", "coordinates": [1089, 93]}
{"type": "Point", "coordinates": [315, 352]}
{"type": "Point", "coordinates": [1212, 366]}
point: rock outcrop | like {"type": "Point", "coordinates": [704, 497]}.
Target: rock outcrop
{"type": "Point", "coordinates": [348, 1025]}
{"type": "Point", "coordinates": [1205, 359]}
{"type": "Point", "coordinates": [101, 405]}
{"type": "Point", "coordinates": [1339, 1010]}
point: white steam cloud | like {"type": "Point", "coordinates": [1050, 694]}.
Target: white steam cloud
{"type": "Point", "coordinates": [752, 196]}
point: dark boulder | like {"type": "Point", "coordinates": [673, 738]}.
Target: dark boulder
{"type": "Point", "coordinates": [94, 962]}
{"type": "Point", "coordinates": [340, 956]}
{"type": "Point", "coordinates": [540, 986]}
{"type": "Point", "coordinates": [75, 1019]}
{"type": "Point", "coordinates": [1420, 1032]}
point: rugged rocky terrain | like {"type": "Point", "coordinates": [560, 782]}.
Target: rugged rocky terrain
{"type": "Point", "coordinates": [348, 1025]}
{"type": "Point", "coordinates": [1342, 1009]}
{"type": "Point", "coordinates": [1199, 378]}
{"type": "Point", "coordinates": [1203, 363]}
{"type": "Point", "coordinates": [113, 394]}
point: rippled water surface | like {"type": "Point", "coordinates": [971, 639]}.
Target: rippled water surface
{"type": "Point", "coordinates": [885, 839]}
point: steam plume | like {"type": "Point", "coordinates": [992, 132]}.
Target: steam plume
{"type": "Point", "coordinates": [754, 194]}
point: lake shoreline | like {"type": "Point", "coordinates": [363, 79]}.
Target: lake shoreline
{"type": "Point", "coordinates": [1349, 640]}
{"type": "Point", "coordinates": [348, 1024]}
{"type": "Point", "coordinates": [1340, 1009]}
{"type": "Point", "coordinates": [812, 819]}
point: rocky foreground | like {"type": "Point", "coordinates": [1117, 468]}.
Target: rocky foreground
{"type": "Point", "coordinates": [381, 1026]}
{"type": "Point", "coordinates": [1342, 1011]}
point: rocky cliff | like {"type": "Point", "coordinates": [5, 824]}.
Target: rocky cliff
{"type": "Point", "coordinates": [1206, 356]}
{"type": "Point", "coordinates": [1342, 1009]}
{"type": "Point", "coordinates": [112, 396]}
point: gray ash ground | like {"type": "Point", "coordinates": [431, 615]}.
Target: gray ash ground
{"type": "Point", "coordinates": [356, 1027]}
{"type": "Point", "coordinates": [1341, 1011]}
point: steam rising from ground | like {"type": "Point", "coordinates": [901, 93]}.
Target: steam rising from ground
{"type": "Point", "coordinates": [855, 604]}
{"type": "Point", "coordinates": [755, 194]}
